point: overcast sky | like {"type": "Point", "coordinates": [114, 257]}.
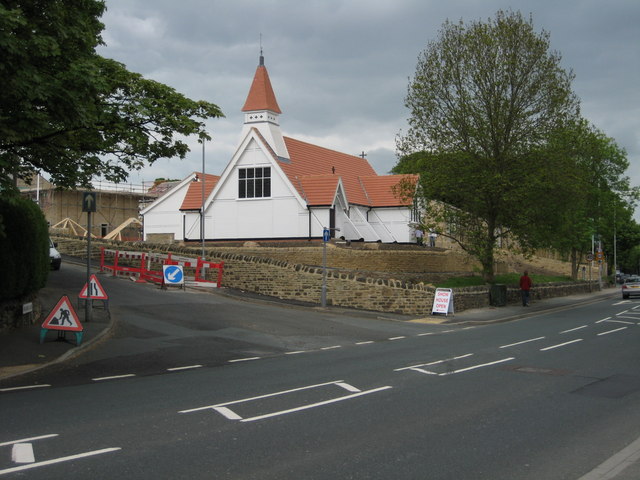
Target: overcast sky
{"type": "Point", "coordinates": [340, 68]}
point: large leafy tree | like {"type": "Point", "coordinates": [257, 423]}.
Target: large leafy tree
{"type": "Point", "coordinates": [485, 98]}
{"type": "Point", "coordinates": [73, 114]}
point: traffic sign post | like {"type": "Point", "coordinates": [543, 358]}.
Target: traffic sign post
{"type": "Point", "coordinates": [62, 318]}
{"type": "Point", "coordinates": [89, 205]}
{"type": "Point", "coordinates": [326, 236]}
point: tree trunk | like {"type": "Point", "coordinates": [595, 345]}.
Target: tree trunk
{"type": "Point", "coordinates": [486, 257]}
{"type": "Point", "coordinates": [574, 263]}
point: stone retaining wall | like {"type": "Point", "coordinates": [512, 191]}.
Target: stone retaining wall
{"type": "Point", "coordinates": [11, 315]}
{"type": "Point", "coordinates": [284, 278]}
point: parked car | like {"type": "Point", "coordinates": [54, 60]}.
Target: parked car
{"type": "Point", "coordinates": [54, 255]}
{"type": "Point", "coordinates": [631, 286]}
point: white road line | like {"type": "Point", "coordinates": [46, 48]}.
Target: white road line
{"type": "Point", "coordinates": [247, 359]}
{"type": "Point", "coordinates": [22, 453]}
{"type": "Point", "coordinates": [477, 366]}
{"type": "Point", "coordinates": [348, 388]}
{"type": "Point", "coordinates": [523, 341]}
{"type": "Point", "coordinates": [425, 334]}
{"type": "Point", "coordinates": [418, 367]}
{"type": "Point", "coordinates": [27, 387]}
{"type": "Point", "coordinates": [58, 460]}
{"type": "Point", "coordinates": [612, 331]}
{"type": "Point", "coordinates": [30, 439]}
{"type": "Point", "coordinates": [228, 413]}
{"type": "Point", "coordinates": [435, 362]}
{"type": "Point", "coordinates": [365, 343]}
{"type": "Point", "coordinates": [314, 405]}
{"type": "Point", "coordinates": [603, 320]}
{"type": "Point", "coordinates": [621, 321]}
{"type": "Point", "coordinates": [622, 312]}
{"type": "Point", "coordinates": [422, 370]}
{"type": "Point", "coordinates": [331, 348]}
{"type": "Point", "coordinates": [560, 345]}
{"type": "Point", "coordinates": [260, 397]}
{"type": "Point", "coordinates": [297, 352]}
{"type": "Point", "coordinates": [176, 369]}
{"type": "Point", "coordinates": [114, 377]}
{"type": "Point", "coordinates": [574, 329]}
{"type": "Point", "coordinates": [397, 338]}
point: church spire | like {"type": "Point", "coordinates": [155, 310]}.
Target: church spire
{"type": "Point", "coordinates": [261, 110]}
{"type": "Point", "coordinates": [261, 96]}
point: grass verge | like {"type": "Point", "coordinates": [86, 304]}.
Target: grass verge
{"type": "Point", "coordinates": [506, 279]}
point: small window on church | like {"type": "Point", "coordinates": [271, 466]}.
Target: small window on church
{"type": "Point", "coordinates": [254, 182]}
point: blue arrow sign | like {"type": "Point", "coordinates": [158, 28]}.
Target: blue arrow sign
{"type": "Point", "coordinates": [173, 274]}
{"type": "Point", "coordinates": [326, 235]}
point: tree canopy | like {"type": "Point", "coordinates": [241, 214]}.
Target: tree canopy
{"type": "Point", "coordinates": [68, 112]}
{"type": "Point", "coordinates": [485, 103]}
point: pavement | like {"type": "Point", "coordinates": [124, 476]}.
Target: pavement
{"type": "Point", "coordinates": [20, 348]}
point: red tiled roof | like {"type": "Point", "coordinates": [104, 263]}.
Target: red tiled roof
{"type": "Point", "coordinates": [380, 190]}
{"type": "Point", "coordinates": [193, 198]}
{"type": "Point", "coordinates": [319, 189]}
{"type": "Point", "coordinates": [310, 169]}
{"type": "Point", "coordinates": [261, 96]}
{"type": "Point", "coordinates": [307, 159]}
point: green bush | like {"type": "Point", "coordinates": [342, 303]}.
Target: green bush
{"type": "Point", "coordinates": [24, 247]}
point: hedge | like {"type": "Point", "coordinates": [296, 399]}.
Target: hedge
{"type": "Point", "coordinates": [24, 247]}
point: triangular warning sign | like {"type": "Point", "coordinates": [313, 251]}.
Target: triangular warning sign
{"type": "Point", "coordinates": [63, 317]}
{"type": "Point", "coordinates": [96, 292]}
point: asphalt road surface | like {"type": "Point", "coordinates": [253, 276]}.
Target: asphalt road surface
{"type": "Point", "coordinates": [203, 385]}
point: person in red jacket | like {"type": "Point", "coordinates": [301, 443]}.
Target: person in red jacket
{"type": "Point", "coordinates": [525, 286]}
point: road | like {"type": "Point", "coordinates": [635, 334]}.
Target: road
{"type": "Point", "coordinates": [202, 385]}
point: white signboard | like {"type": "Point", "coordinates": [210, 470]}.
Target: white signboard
{"type": "Point", "coordinates": [443, 301]}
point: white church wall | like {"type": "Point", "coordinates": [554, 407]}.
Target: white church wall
{"type": "Point", "coordinates": [392, 222]}
{"type": "Point", "coordinates": [277, 216]}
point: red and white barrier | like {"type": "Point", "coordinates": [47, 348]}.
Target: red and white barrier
{"type": "Point", "coordinates": [144, 272]}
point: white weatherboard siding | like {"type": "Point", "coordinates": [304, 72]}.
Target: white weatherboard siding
{"type": "Point", "coordinates": [358, 216]}
{"type": "Point", "coordinates": [165, 217]}
{"type": "Point", "coordinates": [279, 216]}
{"type": "Point", "coordinates": [392, 223]}
{"type": "Point", "coordinates": [191, 222]}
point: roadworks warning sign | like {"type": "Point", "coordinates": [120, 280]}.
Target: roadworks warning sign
{"type": "Point", "coordinates": [95, 291]}
{"type": "Point", "coordinates": [63, 317]}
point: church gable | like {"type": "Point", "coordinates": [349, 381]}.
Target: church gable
{"type": "Point", "coordinates": [254, 173]}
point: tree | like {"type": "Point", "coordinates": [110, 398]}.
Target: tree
{"type": "Point", "coordinates": [601, 197]}
{"type": "Point", "coordinates": [73, 114]}
{"type": "Point", "coordinates": [483, 103]}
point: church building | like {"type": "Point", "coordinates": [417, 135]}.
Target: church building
{"type": "Point", "coordinates": [276, 188]}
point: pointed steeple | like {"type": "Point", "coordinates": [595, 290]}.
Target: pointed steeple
{"type": "Point", "coordinates": [261, 96]}
{"type": "Point", "coordinates": [261, 111]}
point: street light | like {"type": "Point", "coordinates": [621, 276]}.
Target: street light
{"type": "Point", "coordinates": [202, 206]}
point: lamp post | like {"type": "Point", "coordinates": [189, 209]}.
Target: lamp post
{"type": "Point", "coordinates": [202, 236]}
